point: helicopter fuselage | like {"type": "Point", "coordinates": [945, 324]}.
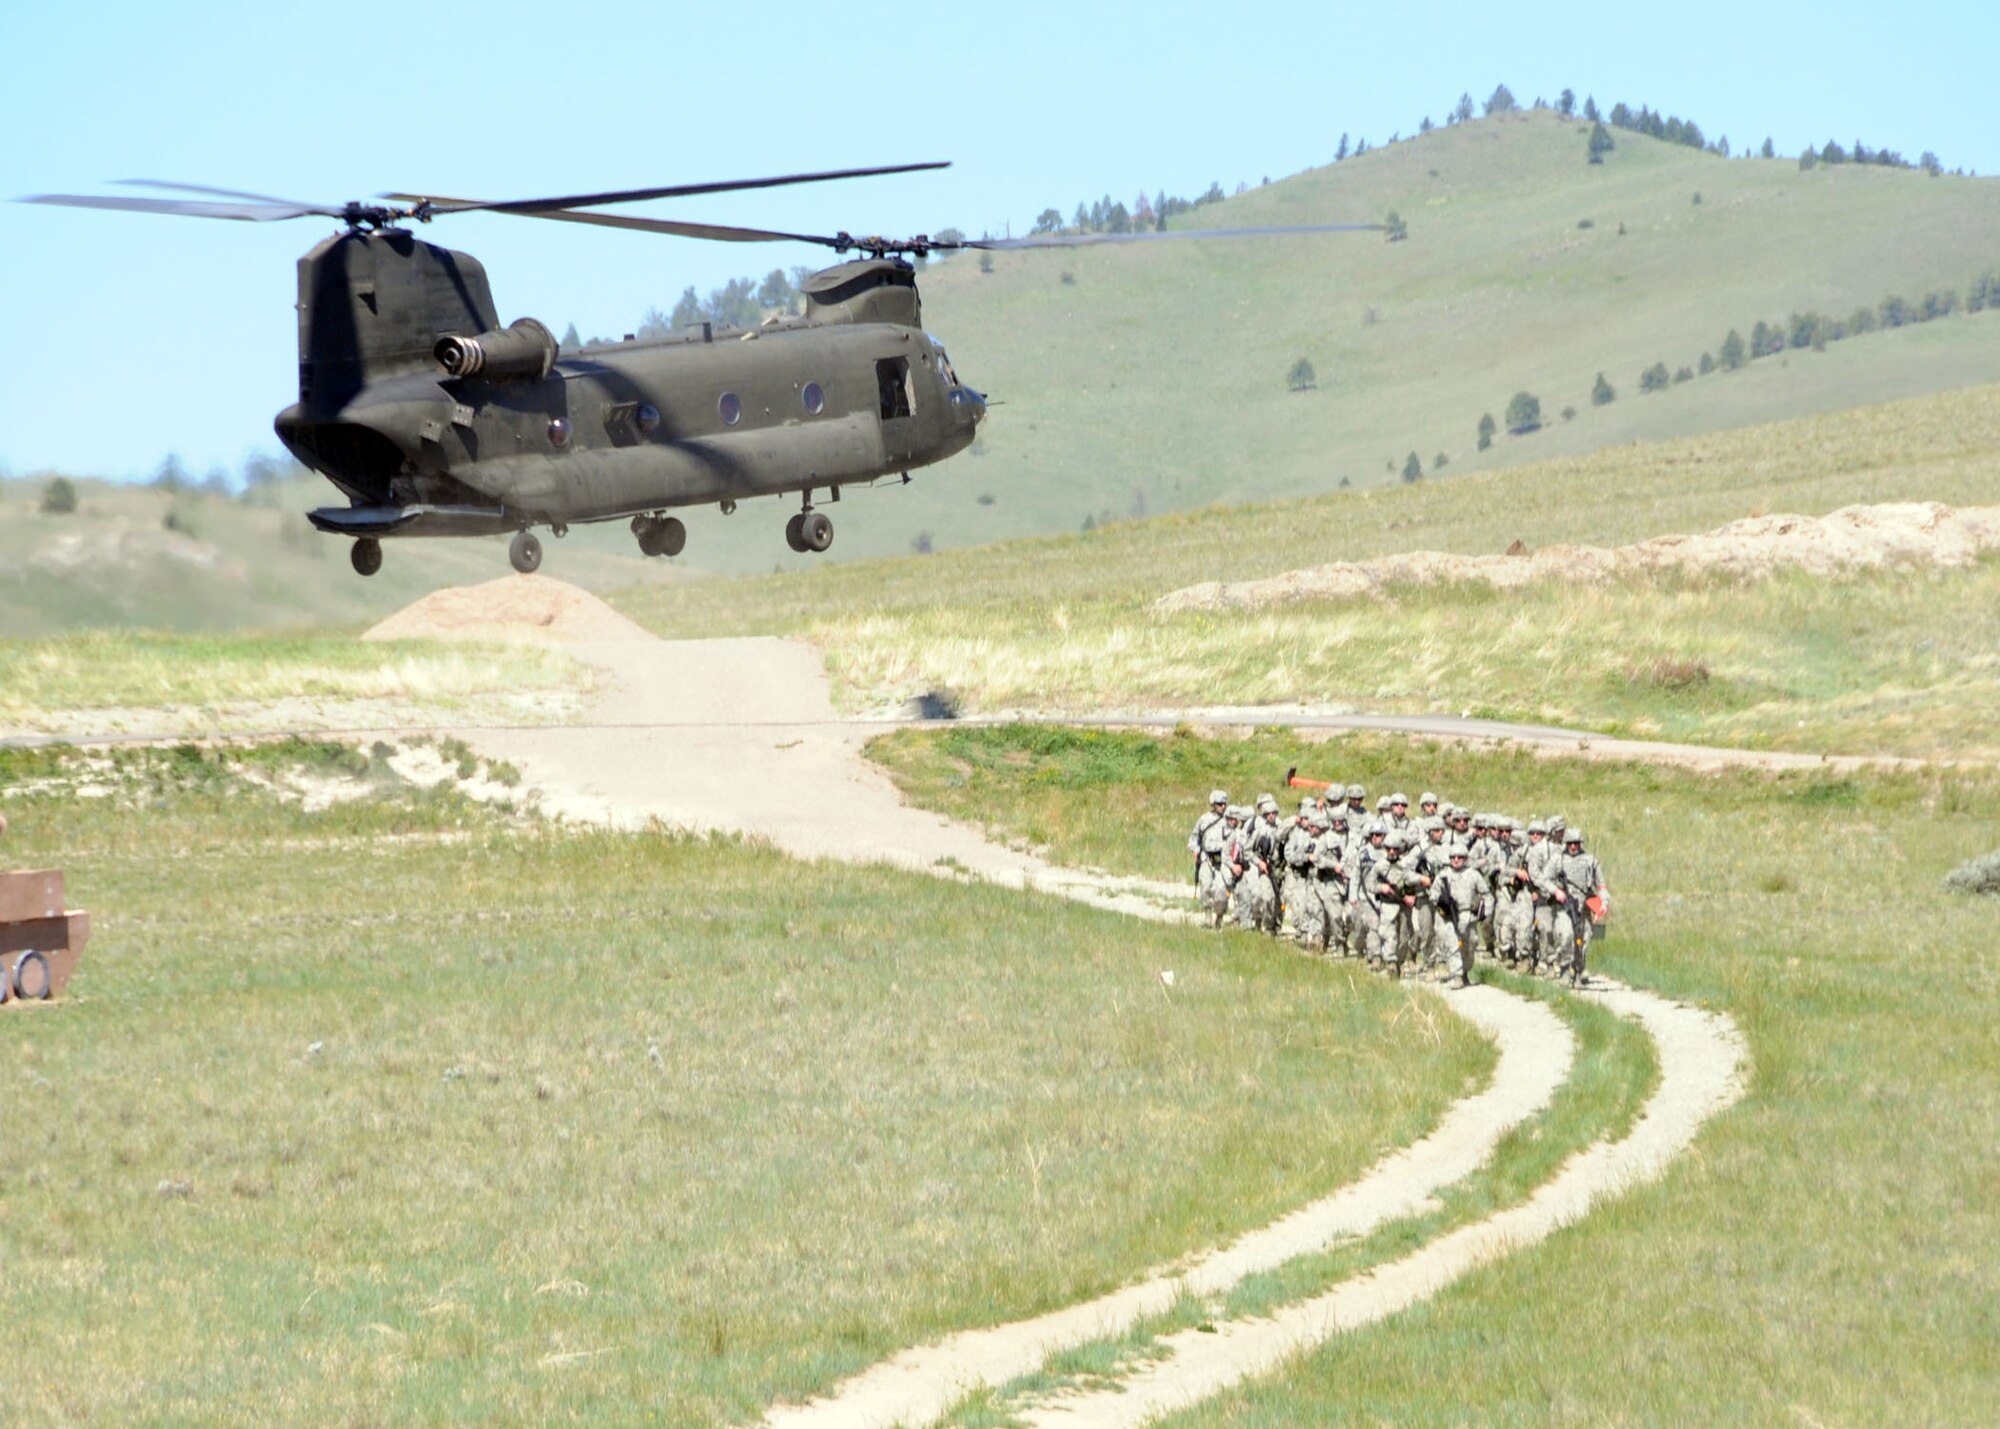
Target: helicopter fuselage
{"type": "Point", "coordinates": [435, 422]}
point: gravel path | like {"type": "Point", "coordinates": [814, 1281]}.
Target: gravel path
{"type": "Point", "coordinates": [683, 728]}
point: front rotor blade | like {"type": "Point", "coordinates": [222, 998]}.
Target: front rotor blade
{"type": "Point", "coordinates": [219, 193]}
{"type": "Point", "coordinates": [536, 205]}
{"type": "Point", "coordinates": [720, 233]}
{"type": "Point", "coordinates": [1086, 240]}
{"type": "Point", "coordinates": [248, 212]}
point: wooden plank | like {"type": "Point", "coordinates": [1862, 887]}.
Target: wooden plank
{"type": "Point", "coordinates": [49, 934]}
{"type": "Point", "coordinates": [34, 893]}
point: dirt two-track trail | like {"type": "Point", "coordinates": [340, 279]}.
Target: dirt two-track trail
{"type": "Point", "coordinates": [680, 730]}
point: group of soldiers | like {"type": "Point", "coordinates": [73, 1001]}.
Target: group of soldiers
{"type": "Point", "coordinates": [1414, 894]}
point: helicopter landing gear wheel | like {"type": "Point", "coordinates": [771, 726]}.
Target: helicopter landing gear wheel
{"type": "Point", "coordinates": [526, 553]}
{"type": "Point", "coordinates": [815, 530]}
{"type": "Point", "coordinates": [661, 536]}
{"type": "Point", "coordinates": [366, 556]}
{"type": "Point", "coordinates": [792, 537]}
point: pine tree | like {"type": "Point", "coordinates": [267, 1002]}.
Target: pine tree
{"type": "Point", "coordinates": [1413, 468]}
{"type": "Point", "coordinates": [1487, 426]}
{"type": "Point", "coordinates": [1601, 142]}
{"type": "Point", "coordinates": [1734, 353]}
{"type": "Point", "coordinates": [1602, 393]}
{"type": "Point", "coordinates": [1566, 103]}
{"type": "Point", "coordinates": [1501, 101]}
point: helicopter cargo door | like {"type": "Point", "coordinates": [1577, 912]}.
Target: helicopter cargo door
{"type": "Point", "coordinates": [896, 398]}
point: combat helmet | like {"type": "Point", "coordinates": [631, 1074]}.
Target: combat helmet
{"type": "Point", "coordinates": [1538, 826]}
{"type": "Point", "coordinates": [1218, 796]}
{"type": "Point", "coordinates": [1355, 791]}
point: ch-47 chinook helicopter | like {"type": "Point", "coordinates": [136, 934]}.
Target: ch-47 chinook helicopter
{"type": "Point", "coordinates": [434, 420]}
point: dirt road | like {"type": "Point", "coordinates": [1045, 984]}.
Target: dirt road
{"type": "Point", "coordinates": [682, 729]}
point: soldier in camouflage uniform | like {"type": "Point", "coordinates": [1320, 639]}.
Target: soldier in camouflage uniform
{"type": "Point", "coordinates": [1430, 858]}
{"type": "Point", "coordinates": [1578, 879]}
{"type": "Point", "coordinates": [1298, 897]}
{"type": "Point", "coordinates": [1396, 889]}
{"type": "Point", "coordinates": [1204, 869]}
{"type": "Point", "coordinates": [1257, 889]}
{"type": "Point", "coordinates": [1399, 814]}
{"type": "Point", "coordinates": [1218, 848]}
{"type": "Point", "coordinates": [1357, 807]}
{"type": "Point", "coordinates": [1362, 859]}
{"type": "Point", "coordinates": [1537, 860]}
{"type": "Point", "coordinates": [1330, 865]}
{"type": "Point", "coordinates": [1461, 899]}
{"type": "Point", "coordinates": [1514, 895]}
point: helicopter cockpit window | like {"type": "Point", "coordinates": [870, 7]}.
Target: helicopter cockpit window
{"type": "Point", "coordinates": [731, 408]}
{"type": "Point", "coordinates": [944, 367]}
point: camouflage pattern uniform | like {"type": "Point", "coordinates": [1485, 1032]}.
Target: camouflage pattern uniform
{"type": "Point", "coordinates": [1430, 858]}
{"type": "Point", "coordinates": [1514, 924]}
{"type": "Point", "coordinates": [1256, 892]}
{"type": "Point", "coordinates": [1362, 909]}
{"type": "Point", "coordinates": [1395, 889]}
{"type": "Point", "coordinates": [1580, 878]}
{"type": "Point", "coordinates": [1204, 867]}
{"type": "Point", "coordinates": [1461, 898]}
{"type": "Point", "coordinates": [1539, 856]}
{"type": "Point", "coordinates": [1218, 847]}
{"type": "Point", "coordinates": [1299, 896]}
{"type": "Point", "coordinates": [1331, 877]}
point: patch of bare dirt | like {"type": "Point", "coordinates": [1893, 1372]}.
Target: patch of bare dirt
{"type": "Point", "coordinates": [1854, 538]}
{"type": "Point", "coordinates": [512, 608]}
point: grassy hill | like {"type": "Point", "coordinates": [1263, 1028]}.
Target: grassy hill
{"type": "Point", "coordinates": [1159, 371]}
{"type": "Point", "coordinates": [1876, 663]}
{"type": "Point", "coordinates": [1152, 378]}
{"type": "Point", "coordinates": [226, 564]}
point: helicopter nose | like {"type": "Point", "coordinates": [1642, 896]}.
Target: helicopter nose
{"type": "Point", "coordinates": [973, 401]}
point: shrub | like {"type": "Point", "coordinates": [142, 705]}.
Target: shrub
{"type": "Point", "coordinates": [1524, 414]}
{"type": "Point", "coordinates": [1302, 378]}
{"type": "Point", "coordinates": [59, 497]}
{"type": "Point", "coordinates": [1979, 875]}
{"type": "Point", "coordinates": [1602, 393]}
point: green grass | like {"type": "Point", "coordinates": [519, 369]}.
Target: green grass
{"type": "Point", "coordinates": [416, 1111]}
{"type": "Point", "coordinates": [241, 564]}
{"type": "Point", "coordinates": [1614, 1072]}
{"type": "Point", "coordinates": [1885, 663]}
{"type": "Point", "coordinates": [81, 679]}
{"type": "Point", "coordinates": [1819, 1254]}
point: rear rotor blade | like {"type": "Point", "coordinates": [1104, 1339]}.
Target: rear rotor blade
{"type": "Point", "coordinates": [248, 212]}
{"type": "Point", "coordinates": [1086, 240]}
{"type": "Point", "coordinates": [539, 205]}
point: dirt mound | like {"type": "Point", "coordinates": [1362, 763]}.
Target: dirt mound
{"type": "Point", "coordinates": [511, 608]}
{"type": "Point", "coordinates": [1913, 533]}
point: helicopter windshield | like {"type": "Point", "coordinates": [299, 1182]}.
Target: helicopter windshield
{"type": "Point", "coordinates": [944, 366]}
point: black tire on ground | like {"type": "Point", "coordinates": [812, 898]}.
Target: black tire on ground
{"type": "Point", "coordinates": [816, 530]}
{"type": "Point", "coordinates": [673, 536]}
{"type": "Point", "coordinates": [526, 553]}
{"type": "Point", "coordinates": [30, 977]}
{"type": "Point", "coordinates": [366, 555]}
{"type": "Point", "coordinates": [792, 537]}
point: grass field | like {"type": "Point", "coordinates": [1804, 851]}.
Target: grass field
{"type": "Point", "coordinates": [1820, 1256]}
{"type": "Point", "coordinates": [1884, 663]}
{"type": "Point", "coordinates": [415, 1110]}
{"type": "Point", "coordinates": [103, 680]}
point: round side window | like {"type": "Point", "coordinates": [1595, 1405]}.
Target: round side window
{"type": "Point", "coordinates": [558, 432]}
{"type": "Point", "coordinates": [815, 398]}
{"type": "Point", "coordinates": [648, 417]}
{"type": "Point", "coordinates": [731, 407]}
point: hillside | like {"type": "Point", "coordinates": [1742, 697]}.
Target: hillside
{"type": "Point", "coordinates": [227, 564]}
{"type": "Point", "coordinates": [1159, 371]}
{"type": "Point", "coordinates": [1151, 378]}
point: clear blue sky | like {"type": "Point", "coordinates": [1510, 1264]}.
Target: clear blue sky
{"type": "Point", "coordinates": [130, 335]}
